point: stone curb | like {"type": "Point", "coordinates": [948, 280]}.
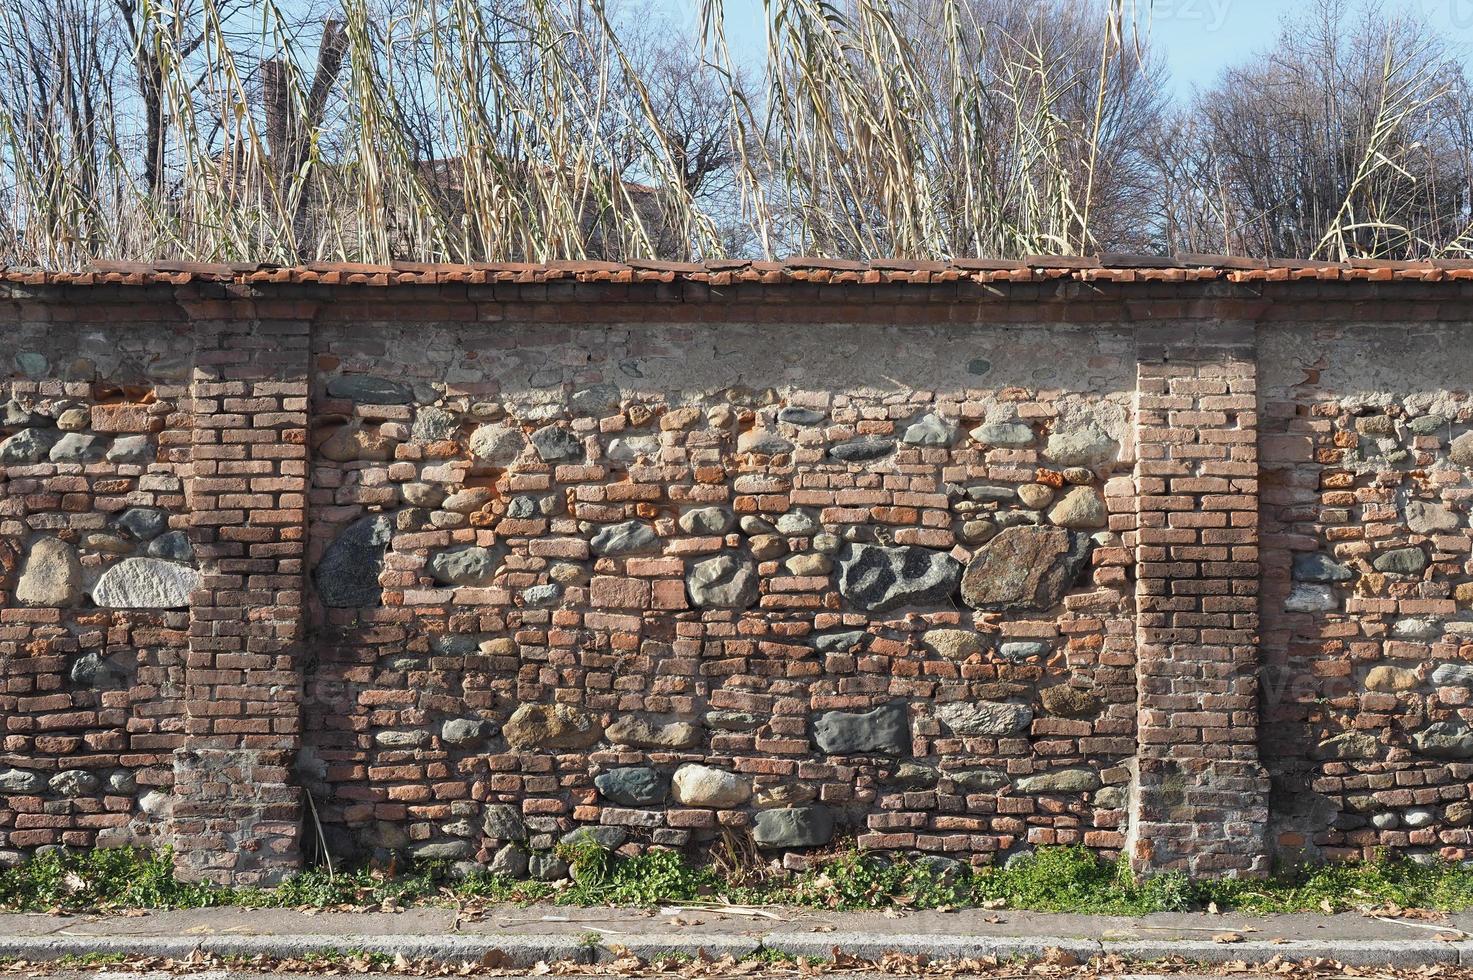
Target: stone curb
{"type": "Point", "coordinates": [524, 951]}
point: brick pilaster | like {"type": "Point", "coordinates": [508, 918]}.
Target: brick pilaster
{"type": "Point", "coordinates": [238, 812]}
{"type": "Point", "coordinates": [1199, 801]}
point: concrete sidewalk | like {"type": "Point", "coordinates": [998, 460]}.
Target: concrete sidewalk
{"type": "Point", "coordinates": [519, 937]}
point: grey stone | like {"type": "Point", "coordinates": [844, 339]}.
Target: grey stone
{"type": "Point", "coordinates": [370, 390]}
{"type": "Point", "coordinates": [1418, 817]}
{"type": "Point", "coordinates": [598, 400]}
{"type": "Point", "coordinates": [122, 781]}
{"type": "Point", "coordinates": [754, 525]}
{"type": "Point", "coordinates": [555, 444]}
{"type": "Point", "coordinates": [50, 576]}
{"type": "Point", "coordinates": [633, 786]}
{"type": "Point", "coordinates": [1059, 781]}
{"type": "Point", "coordinates": [33, 364]}
{"type": "Point", "coordinates": [433, 424]}
{"type": "Point", "coordinates": [132, 449]}
{"type": "Point", "coordinates": [174, 546]}
{"type": "Point", "coordinates": [978, 780]}
{"type": "Point", "coordinates": [92, 669]}
{"type": "Point", "coordinates": [881, 731]}
{"type": "Point", "coordinates": [509, 862]}
{"type": "Point", "coordinates": [1080, 508]}
{"type": "Point", "coordinates": [827, 544]}
{"type": "Point", "coordinates": [840, 642]}
{"type": "Point", "coordinates": [498, 444]}
{"type": "Point", "coordinates": [1317, 567]}
{"type": "Point", "coordinates": [877, 578]}
{"type": "Point", "coordinates": [535, 596]}
{"type": "Point", "coordinates": [628, 538]}
{"type": "Point", "coordinates": [143, 523]}
{"type": "Point", "coordinates": [698, 785]}
{"type": "Point", "coordinates": [1424, 517]}
{"type": "Point", "coordinates": [461, 731]}
{"type": "Point", "coordinates": [793, 826]}
{"type": "Point", "coordinates": [1401, 561]}
{"type": "Point", "coordinates": [991, 493]}
{"type": "Point", "coordinates": [1112, 798]}
{"type": "Point", "coordinates": [984, 717]}
{"type": "Point", "coordinates": [1023, 649]}
{"type": "Point", "coordinates": [401, 738]}
{"type": "Point", "coordinates": [75, 782]}
{"type": "Point", "coordinates": [912, 775]}
{"type": "Point", "coordinates": [1453, 675]}
{"type": "Point", "coordinates": [146, 583]}
{"type": "Point", "coordinates": [547, 867]}
{"type": "Point", "coordinates": [863, 449]}
{"type": "Point", "coordinates": [347, 575]}
{"type": "Point", "coordinates": [800, 523]}
{"type": "Point", "coordinates": [953, 644]}
{"type": "Point", "coordinates": [1416, 629]}
{"type": "Point", "coordinates": [502, 821]}
{"type": "Point", "coordinates": [763, 442]}
{"type": "Point", "coordinates": [1029, 567]}
{"type": "Point", "coordinates": [1085, 446]}
{"type": "Point", "coordinates": [1385, 821]}
{"type": "Point", "coordinates": [800, 416]}
{"type": "Point", "coordinates": [641, 733]}
{"type": "Point", "coordinates": [468, 501]}
{"type": "Point", "coordinates": [722, 582]}
{"type": "Point", "coordinates": [16, 414]}
{"type": "Point", "coordinates": [1006, 435]}
{"type": "Point", "coordinates": [20, 781]}
{"type": "Point", "coordinates": [930, 430]}
{"type": "Point", "coordinates": [443, 850]}
{"type": "Point", "coordinates": [470, 565]}
{"type": "Point", "coordinates": [1310, 598]}
{"type": "Point", "coordinates": [27, 447]}
{"type": "Point", "coordinates": [1445, 740]}
{"type": "Point", "coordinates": [706, 520]}
{"type": "Point", "coordinates": [609, 838]}
{"type": "Point", "coordinates": [809, 564]}
{"type": "Point", "coordinates": [1426, 425]}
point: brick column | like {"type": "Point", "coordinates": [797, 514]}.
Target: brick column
{"type": "Point", "coordinates": [1199, 800]}
{"type": "Point", "coordinates": [237, 814]}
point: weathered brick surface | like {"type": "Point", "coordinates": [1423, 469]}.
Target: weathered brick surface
{"type": "Point", "coordinates": [328, 455]}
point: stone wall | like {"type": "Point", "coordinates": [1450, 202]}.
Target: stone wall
{"type": "Point", "coordinates": [955, 570]}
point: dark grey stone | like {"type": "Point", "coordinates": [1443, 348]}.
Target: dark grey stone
{"type": "Point", "coordinates": [547, 867]}
{"type": "Point", "coordinates": [633, 786]}
{"type": "Point", "coordinates": [1402, 561]}
{"type": "Point", "coordinates": [1029, 567]}
{"type": "Point", "coordinates": [78, 447]}
{"type": "Point", "coordinates": [793, 826]}
{"type": "Point", "coordinates": [174, 546]}
{"type": "Point", "coordinates": [555, 444]}
{"type": "Point", "coordinates": [370, 390]}
{"type": "Point", "coordinates": [732, 721]}
{"type": "Point", "coordinates": [978, 780]}
{"type": "Point", "coordinates": [800, 416]}
{"type": "Point", "coordinates": [912, 775]}
{"type": "Point", "coordinates": [627, 538]}
{"type": "Point", "coordinates": [840, 642]}
{"type": "Point", "coordinates": [1022, 649]}
{"type": "Point", "coordinates": [502, 821]}
{"type": "Point", "coordinates": [72, 783]}
{"type": "Point", "coordinates": [609, 838]}
{"type": "Point", "coordinates": [1316, 567]}
{"type": "Point", "coordinates": [882, 731]}
{"type": "Point", "coordinates": [92, 669]}
{"type": "Point", "coordinates": [509, 862]}
{"type": "Point", "coordinates": [143, 523]}
{"type": "Point", "coordinates": [347, 575]}
{"type": "Point", "coordinates": [522, 508]}
{"type": "Point", "coordinates": [20, 781]}
{"type": "Point", "coordinates": [878, 578]}
{"type": "Point", "coordinates": [863, 449]}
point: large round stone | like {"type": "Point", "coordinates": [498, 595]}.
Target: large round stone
{"type": "Point", "coordinates": [498, 444]}
{"type": "Point", "coordinates": [1079, 508]}
{"type": "Point", "coordinates": [50, 576]}
{"type": "Point", "coordinates": [347, 575]}
{"type": "Point", "coordinates": [706, 520]}
{"type": "Point", "coordinates": [723, 582]}
{"type": "Point", "coordinates": [555, 444]}
{"type": "Point", "coordinates": [1085, 446]}
{"type": "Point", "coordinates": [551, 726]}
{"type": "Point", "coordinates": [627, 538]}
{"type": "Point", "coordinates": [793, 826]}
{"type": "Point", "coordinates": [27, 447]}
{"type": "Point", "coordinates": [878, 578]}
{"type": "Point", "coordinates": [1029, 567]}
{"type": "Point", "coordinates": [1445, 740]}
{"type": "Point", "coordinates": [433, 424]}
{"type": "Point", "coordinates": [930, 430]}
{"type": "Point", "coordinates": [698, 785]}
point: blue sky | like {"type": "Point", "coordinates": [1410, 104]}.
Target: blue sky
{"type": "Point", "coordinates": [1198, 38]}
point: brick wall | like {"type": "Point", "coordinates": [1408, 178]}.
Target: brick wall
{"type": "Point", "coordinates": [959, 570]}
